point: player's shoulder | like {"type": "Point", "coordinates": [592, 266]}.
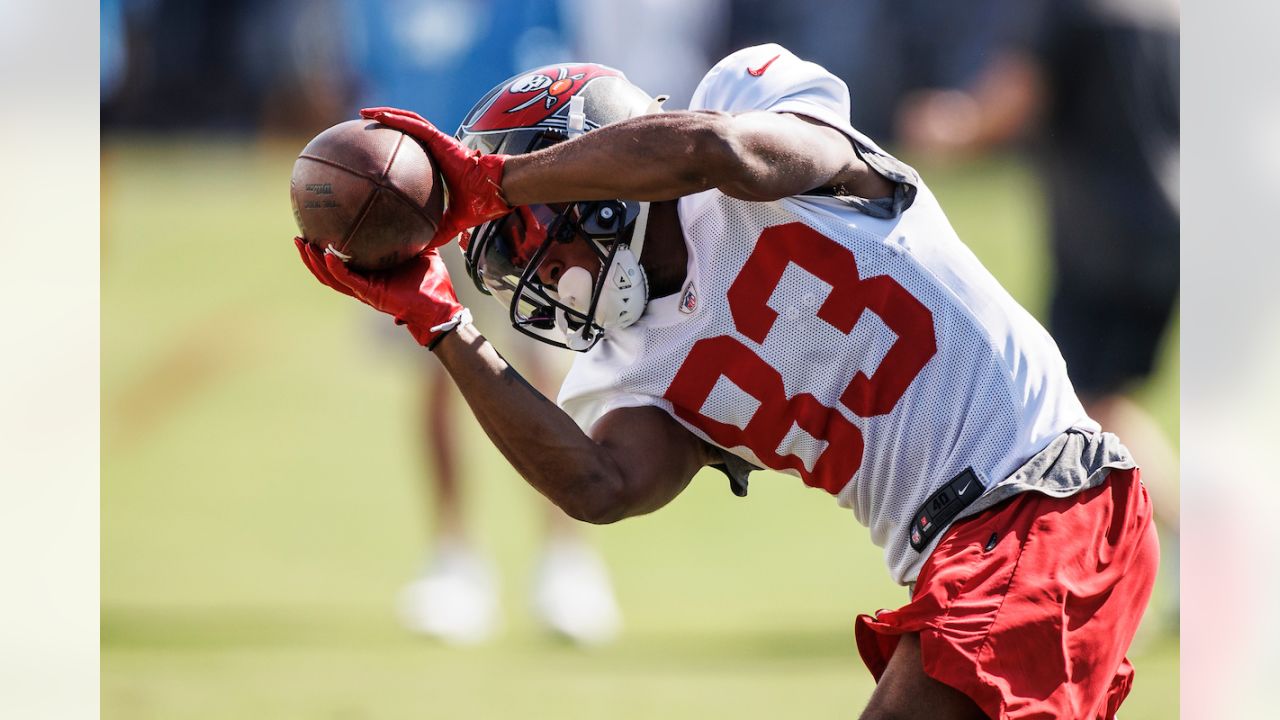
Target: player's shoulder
{"type": "Point", "coordinates": [760, 76]}
{"type": "Point", "coordinates": [753, 61]}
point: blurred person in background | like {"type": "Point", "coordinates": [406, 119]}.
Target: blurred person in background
{"type": "Point", "coordinates": [661, 44]}
{"type": "Point", "coordinates": [881, 48]}
{"type": "Point", "coordinates": [455, 596]}
{"type": "Point", "coordinates": [178, 64]}
{"type": "Point", "coordinates": [237, 67]}
{"type": "Point", "coordinates": [428, 55]}
{"type": "Point", "coordinates": [112, 52]}
{"type": "Point", "coordinates": [1094, 85]}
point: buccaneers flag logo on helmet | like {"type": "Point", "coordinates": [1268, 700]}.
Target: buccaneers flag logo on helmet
{"type": "Point", "coordinates": [534, 99]}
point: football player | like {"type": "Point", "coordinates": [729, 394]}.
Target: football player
{"type": "Point", "coordinates": [754, 283]}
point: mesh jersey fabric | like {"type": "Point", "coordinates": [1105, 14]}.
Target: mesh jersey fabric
{"type": "Point", "coordinates": [777, 384]}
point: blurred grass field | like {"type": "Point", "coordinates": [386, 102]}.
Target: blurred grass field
{"type": "Point", "coordinates": [262, 503]}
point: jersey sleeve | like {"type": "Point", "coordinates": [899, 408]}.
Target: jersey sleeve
{"type": "Point", "coordinates": [771, 78]}
{"type": "Point", "coordinates": [592, 387]}
{"type": "Point", "coordinates": [587, 407]}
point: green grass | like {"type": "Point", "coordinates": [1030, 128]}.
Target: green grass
{"type": "Point", "coordinates": [261, 498]}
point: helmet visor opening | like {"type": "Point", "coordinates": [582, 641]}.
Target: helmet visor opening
{"type": "Point", "coordinates": [505, 257]}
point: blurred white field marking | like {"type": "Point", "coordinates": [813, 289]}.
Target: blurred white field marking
{"type": "Point", "coordinates": [1231, 346]}
{"type": "Point", "coordinates": [49, 366]}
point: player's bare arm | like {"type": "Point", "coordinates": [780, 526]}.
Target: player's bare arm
{"type": "Point", "coordinates": [758, 156]}
{"type": "Point", "coordinates": [600, 479]}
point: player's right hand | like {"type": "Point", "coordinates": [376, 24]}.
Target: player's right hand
{"type": "Point", "coordinates": [418, 294]}
{"type": "Point", "coordinates": [474, 179]}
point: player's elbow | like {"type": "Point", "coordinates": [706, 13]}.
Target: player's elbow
{"type": "Point", "coordinates": [597, 498]}
{"type": "Point", "coordinates": [596, 515]}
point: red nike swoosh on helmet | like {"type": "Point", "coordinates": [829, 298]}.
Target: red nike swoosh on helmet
{"type": "Point", "coordinates": [757, 72]}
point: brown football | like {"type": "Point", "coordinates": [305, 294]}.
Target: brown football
{"type": "Point", "coordinates": [369, 192]}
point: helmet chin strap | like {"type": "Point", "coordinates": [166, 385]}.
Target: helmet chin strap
{"type": "Point", "coordinates": [637, 234]}
{"type": "Point", "coordinates": [574, 340]}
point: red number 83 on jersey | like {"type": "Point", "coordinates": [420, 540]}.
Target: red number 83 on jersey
{"type": "Point", "coordinates": [866, 396]}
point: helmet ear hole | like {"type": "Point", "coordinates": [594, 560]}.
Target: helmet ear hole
{"type": "Point", "coordinates": [606, 217]}
{"type": "Point", "coordinates": [601, 220]}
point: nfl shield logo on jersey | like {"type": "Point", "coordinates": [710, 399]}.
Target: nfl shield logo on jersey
{"type": "Point", "coordinates": [689, 300]}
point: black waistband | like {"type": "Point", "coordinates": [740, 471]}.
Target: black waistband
{"type": "Point", "coordinates": [943, 506]}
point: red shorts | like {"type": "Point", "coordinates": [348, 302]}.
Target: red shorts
{"type": "Point", "coordinates": [1038, 625]}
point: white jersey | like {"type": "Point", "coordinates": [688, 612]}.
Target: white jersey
{"type": "Point", "coordinates": [858, 346]}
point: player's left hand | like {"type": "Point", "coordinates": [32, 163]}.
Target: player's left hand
{"type": "Point", "coordinates": [418, 294]}
{"type": "Point", "coordinates": [474, 179]}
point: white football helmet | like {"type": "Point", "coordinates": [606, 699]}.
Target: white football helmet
{"type": "Point", "coordinates": [535, 110]}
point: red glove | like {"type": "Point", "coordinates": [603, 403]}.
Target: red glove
{"type": "Point", "coordinates": [418, 294]}
{"type": "Point", "coordinates": [474, 180]}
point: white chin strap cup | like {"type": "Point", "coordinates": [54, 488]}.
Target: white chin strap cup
{"type": "Point", "coordinates": [573, 340]}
